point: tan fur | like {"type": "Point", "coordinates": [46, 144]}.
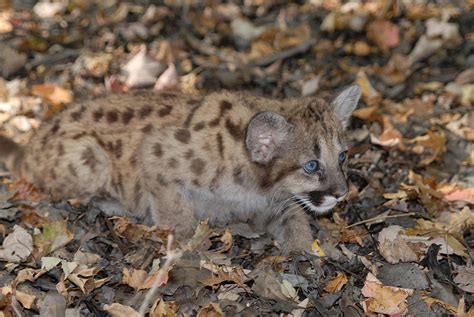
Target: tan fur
{"type": "Point", "coordinates": [183, 158]}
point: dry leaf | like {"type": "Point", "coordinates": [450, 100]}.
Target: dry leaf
{"type": "Point", "coordinates": [119, 310]}
{"type": "Point", "coordinates": [25, 299]}
{"type": "Point", "coordinates": [134, 277]}
{"type": "Point", "coordinates": [17, 246]}
{"type": "Point", "coordinates": [336, 283]}
{"type": "Point", "coordinates": [394, 248]}
{"type": "Point", "coordinates": [142, 70]}
{"type": "Point", "coordinates": [168, 80]}
{"type": "Point", "coordinates": [53, 94]}
{"type": "Point", "coordinates": [384, 34]}
{"type": "Point", "coordinates": [384, 299]}
{"type": "Point", "coordinates": [211, 310]}
{"type": "Point", "coordinates": [389, 138]}
{"type": "Point", "coordinates": [162, 274]}
{"type": "Point", "coordinates": [164, 309]}
{"type": "Point", "coordinates": [55, 235]}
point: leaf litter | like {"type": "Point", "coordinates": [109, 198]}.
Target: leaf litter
{"type": "Point", "coordinates": [411, 170]}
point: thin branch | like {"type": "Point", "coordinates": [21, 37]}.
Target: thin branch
{"type": "Point", "coordinates": [171, 257]}
{"type": "Point", "coordinates": [380, 218]}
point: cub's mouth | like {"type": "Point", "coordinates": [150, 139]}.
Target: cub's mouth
{"type": "Point", "coordinates": [318, 201]}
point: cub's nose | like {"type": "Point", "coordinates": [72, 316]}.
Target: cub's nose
{"type": "Point", "coordinates": [340, 191]}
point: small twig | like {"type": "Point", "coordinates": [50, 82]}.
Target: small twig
{"type": "Point", "coordinates": [379, 218]}
{"type": "Point", "coordinates": [171, 257]}
{"type": "Point", "coordinates": [283, 54]}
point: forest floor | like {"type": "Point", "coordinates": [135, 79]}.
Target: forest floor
{"type": "Point", "coordinates": [400, 244]}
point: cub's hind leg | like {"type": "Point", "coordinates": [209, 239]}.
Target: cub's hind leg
{"type": "Point", "coordinates": [169, 207]}
{"type": "Point", "coordinates": [69, 167]}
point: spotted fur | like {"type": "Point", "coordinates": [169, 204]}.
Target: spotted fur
{"type": "Point", "coordinates": [226, 156]}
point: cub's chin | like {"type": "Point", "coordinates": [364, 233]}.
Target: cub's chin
{"type": "Point", "coordinates": [323, 205]}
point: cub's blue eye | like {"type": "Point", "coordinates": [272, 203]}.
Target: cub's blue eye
{"type": "Point", "coordinates": [311, 166]}
{"type": "Point", "coordinates": [342, 157]}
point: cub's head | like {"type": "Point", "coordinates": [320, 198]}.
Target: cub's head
{"type": "Point", "coordinates": [303, 152]}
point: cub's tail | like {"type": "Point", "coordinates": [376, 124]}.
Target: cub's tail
{"type": "Point", "coordinates": [11, 154]}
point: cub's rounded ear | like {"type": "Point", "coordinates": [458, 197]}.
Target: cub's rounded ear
{"type": "Point", "coordinates": [345, 103]}
{"type": "Point", "coordinates": [267, 132]}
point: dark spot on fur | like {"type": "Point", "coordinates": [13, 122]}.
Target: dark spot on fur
{"type": "Point", "coordinates": [225, 106]}
{"type": "Point", "coordinates": [98, 139]}
{"type": "Point", "coordinates": [111, 116]}
{"type": "Point", "coordinates": [220, 145]}
{"type": "Point", "coordinates": [89, 158]}
{"type": "Point", "coordinates": [79, 135]}
{"type": "Point", "coordinates": [145, 111]}
{"type": "Point", "coordinates": [97, 115]}
{"type": "Point", "coordinates": [167, 95]}
{"type": "Point", "coordinates": [60, 149]}
{"type": "Point", "coordinates": [284, 172]}
{"type": "Point", "coordinates": [215, 178]}
{"type": "Point", "coordinates": [215, 122]}
{"type": "Point", "coordinates": [189, 153]}
{"type": "Point", "coordinates": [52, 174]}
{"type": "Point", "coordinates": [190, 116]}
{"type": "Point", "coordinates": [138, 192]}
{"type": "Point", "coordinates": [182, 135]}
{"type": "Point", "coordinates": [118, 148]}
{"type": "Point", "coordinates": [317, 150]}
{"type": "Point", "coordinates": [199, 126]}
{"type": "Point", "coordinates": [147, 128]}
{"type": "Point", "coordinates": [76, 116]}
{"type": "Point", "coordinates": [133, 160]}
{"type": "Point", "coordinates": [128, 115]}
{"type": "Point", "coordinates": [72, 169]}
{"type": "Point", "coordinates": [195, 182]}
{"type": "Point", "coordinates": [166, 110]}
{"type": "Point", "coordinates": [157, 150]}
{"type": "Point", "coordinates": [237, 175]}
{"type": "Point", "coordinates": [161, 180]}
{"type": "Point", "coordinates": [55, 128]}
{"type": "Point", "coordinates": [173, 163]}
{"type": "Point", "coordinates": [234, 130]}
{"type": "Point", "coordinates": [117, 184]}
{"type": "Point", "coordinates": [197, 166]}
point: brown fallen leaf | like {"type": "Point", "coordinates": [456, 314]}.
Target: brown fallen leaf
{"type": "Point", "coordinates": [26, 300]}
{"type": "Point", "coordinates": [384, 299]}
{"type": "Point", "coordinates": [164, 309]}
{"type": "Point", "coordinates": [133, 277]}
{"type": "Point", "coordinates": [119, 310]}
{"type": "Point", "coordinates": [394, 248]}
{"type": "Point", "coordinates": [168, 80]}
{"type": "Point", "coordinates": [54, 94]}
{"type": "Point", "coordinates": [211, 310]}
{"type": "Point", "coordinates": [142, 70]}
{"type": "Point", "coordinates": [17, 246]}
{"type": "Point", "coordinates": [336, 283]}
{"type": "Point", "coordinates": [384, 34]}
{"type": "Point", "coordinates": [55, 235]}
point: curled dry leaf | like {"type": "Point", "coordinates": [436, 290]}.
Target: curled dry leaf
{"type": "Point", "coordinates": [336, 283]}
{"type": "Point", "coordinates": [384, 34]}
{"type": "Point", "coordinates": [17, 246]}
{"type": "Point", "coordinates": [142, 70]}
{"type": "Point", "coordinates": [119, 310]}
{"type": "Point", "coordinates": [394, 248]}
{"type": "Point", "coordinates": [55, 235]}
{"type": "Point", "coordinates": [26, 300]}
{"type": "Point", "coordinates": [384, 299]}
{"type": "Point", "coordinates": [54, 94]}
{"type": "Point", "coordinates": [168, 80]}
